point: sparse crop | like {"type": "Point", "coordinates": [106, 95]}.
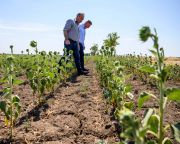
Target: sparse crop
{"type": "Point", "coordinates": [10, 103]}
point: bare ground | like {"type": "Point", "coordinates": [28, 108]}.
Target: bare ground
{"type": "Point", "coordinates": [172, 110]}
{"type": "Point", "coordinates": [75, 113]}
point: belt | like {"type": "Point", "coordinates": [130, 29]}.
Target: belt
{"type": "Point", "coordinates": [72, 41]}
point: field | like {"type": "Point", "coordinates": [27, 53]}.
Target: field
{"type": "Point", "coordinates": [173, 60]}
{"type": "Point", "coordinates": [76, 112]}
{"type": "Point", "coordinates": [124, 99]}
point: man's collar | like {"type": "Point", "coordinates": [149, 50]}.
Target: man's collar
{"type": "Point", "coordinates": [76, 22]}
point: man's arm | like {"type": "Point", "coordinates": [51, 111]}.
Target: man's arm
{"type": "Point", "coordinates": [67, 27]}
{"type": "Point", "coordinates": [66, 41]}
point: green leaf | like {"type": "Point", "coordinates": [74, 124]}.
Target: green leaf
{"type": "Point", "coordinates": [15, 99]}
{"type": "Point", "coordinates": [164, 75]}
{"type": "Point", "coordinates": [3, 80]}
{"type": "Point", "coordinates": [152, 142]}
{"type": "Point", "coordinates": [10, 58]}
{"type": "Point", "coordinates": [153, 52]}
{"type": "Point", "coordinates": [127, 133]}
{"type": "Point", "coordinates": [142, 132]}
{"type": "Point", "coordinates": [148, 69]}
{"type": "Point", "coordinates": [8, 113]}
{"type": "Point", "coordinates": [17, 82]}
{"type": "Point", "coordinates": [129, 105]}
{"type": "Point", "coordinates": [147, 117]}
{"type": "Point", "coordinates": [68, 65]}
{"type": "Point", "coordinates": [124, 113]}
{"type": "Point", "coordinates": [143, 98]}
{"type": "Point", "coordinates": [167, 141]}
{"type": "Point", "coordinates": [62, 68]}
{"type": "Point", "coordinates": [51, 74]}
{"type": "Point", "coordinates": [154, 76]}
{"type": "Point", "coordinates": [6, 93]}
{"type": "Point", "coordinates": [3, 106]}
{"type": "Point", "coordinates": [128, 88]}
{"type": "Point", "coordinates": [154, 124]}
{"type": "Point", "coordinates": [17, 106]}
{"type": "Point", "coordinates": [173, 94]}
{"type": "Point", "coordinates": [29, 74]}
{"type": "Point", "coordinates": [6, 90]}
{"type": "Point", "coordinates": [176, 131]}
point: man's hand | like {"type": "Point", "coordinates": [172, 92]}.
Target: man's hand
{"type": "Point", "coordinates": [67, 42]}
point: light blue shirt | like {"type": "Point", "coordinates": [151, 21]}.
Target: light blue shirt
{"type": "Point", "coordinates": [82, 33]}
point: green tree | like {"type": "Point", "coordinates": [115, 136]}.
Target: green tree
{"type": "Point", "coordinates": [109, 45]}
{"type": "Point", "coordinates": [94, 49]}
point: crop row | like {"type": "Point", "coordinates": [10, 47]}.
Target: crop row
{"type": "Point", "coordinates": [113, 75]}
{"type": "Point", "coordinates": [43, 71]}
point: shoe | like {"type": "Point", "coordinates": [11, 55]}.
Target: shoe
{"type": "Point", "coordinates": [85, 69]}
{"type": "Point", "coordinates": [83, 73]}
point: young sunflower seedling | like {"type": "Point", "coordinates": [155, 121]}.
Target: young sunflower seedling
{"type": "Point", "coordinates": [160, 73]}
{"type": "Point", "coordinates": [11, 47]}
{"type": "Point", "coordinates": [10, 103]}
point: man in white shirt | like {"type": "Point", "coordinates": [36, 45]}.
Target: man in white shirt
{"type": "Point", "coordinates": [82, 33]}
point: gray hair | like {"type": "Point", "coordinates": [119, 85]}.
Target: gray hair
{"type": "Point", "coordinates": [79, 14]}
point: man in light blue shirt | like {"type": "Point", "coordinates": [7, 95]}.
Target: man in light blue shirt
{"type": "Point", "coordinates": [82, 33]}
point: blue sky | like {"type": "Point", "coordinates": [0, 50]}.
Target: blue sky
{"type": "Point", "coordinates": [43, 20]}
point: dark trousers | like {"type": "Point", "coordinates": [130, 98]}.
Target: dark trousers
{"type": "Point", "coordinates": [74, 47]}
{"type": "Point", "coordinates": [81, 53]}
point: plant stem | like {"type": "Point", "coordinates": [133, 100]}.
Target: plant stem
{"type": "Point", "coordinates": [161, 89]}
{"type": "Point", "coordinates": [161, 133]}
{"type": "Point", "coordinates": [11, 121]}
